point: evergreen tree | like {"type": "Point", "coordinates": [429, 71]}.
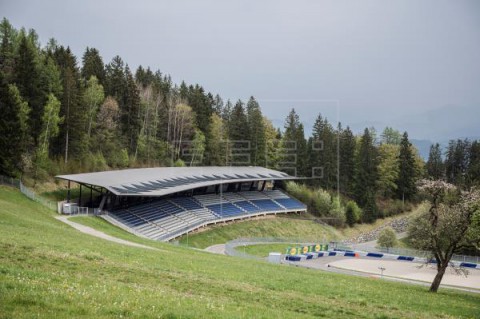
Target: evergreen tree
{"type": "Point", "coordinates": [115, 80]}
{"type": "Point", "coordinates": [347, 161]}
{"type": "Point", "coordinates": [71, 139]}
{"type": "Point", "coordinates": [238, 135]}
{"type": "Point", "coordinates": [27, 80]}
{"type": "Point", "coordinates": [323, 151]}
{"type": "Point", "coordinates": [456, 162]}
{"type": "Point", "coordinates": [93, 66]}
{"type": "Point", "coordinates": [293, 146]}
{"type": "Point", "coordinates": [473, 172]}
{"type": "Point", "coordinates": [406, 187]}
{"type": "Point", "coordinates": [7, 50]}
{"type": "Point", "coordinates": [13, 128]}
{"type": "Point", "coordinates": [435, 166]}
{"type": "Point", "coordinates": [256, 132]}
{"type": "Point", "coordinates": [130, 112]}
{"type": "Point", "coordinates": [366, 177]}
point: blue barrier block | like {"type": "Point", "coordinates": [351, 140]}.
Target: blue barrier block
{"type": "Point", "coordinates": [349, 254]}
{"type": "Point", "coordinates": [432, 261]}
{"type": "Point", "coordinates": [469, 265]}
{"type": "Point", "coordinates": [332, 253]}
{"type": "Point", "coordinates": [320, 254]}
{"type": "Point", "coordinates": [309, 256]}
{"type": "Point", "coordinates": [294, 258]}
{"type": "Point", "coordinates": [374, 255]}
{"type": "Point", "coordinates": [405, 258]}
{"type": "Point", "coordinates": [345, 250]}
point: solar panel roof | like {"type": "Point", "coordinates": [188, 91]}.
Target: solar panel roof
{"type": "Point", "coordinates": [160, 181]}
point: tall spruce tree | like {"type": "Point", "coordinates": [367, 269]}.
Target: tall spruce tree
{"type": "Point", "coordinates": [473, 171]}
{"type": "Point", "coordinates": [323, 152]}
{"type": "Point", "coordinates": [347, 161]}
{"type": "Point", "coordinates": [71, 140]}
{"type": "Point", "coordinates": [93, 65]}
{"type": "Point", "coordinates": [293, 157]}
{"type": "Point", "coordinates": [366, 177]}
{"type": "Point", "coordinates": [256, 132]}
{"type": "Point", "coordinates": [130, 112]}
{"type": "Point", "coordinates": [456, 162]}
{"type": "Point", "coordinates": [435, 166]}
{"type": "Point", "coordinates": [406, 187]}
{"type": "Point", "coordinates": [13, 128]}
{"type": "Point", "coordinates": [27, 79]}
{"type": "Point", "coordinates": [238, 135]}
{"type": "Point", "coordinates": [7, 50]}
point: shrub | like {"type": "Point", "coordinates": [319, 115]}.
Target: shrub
{"type": "Point", "coordinates": [337, 211]}
{"type": "Point", "coordinates": [387, 238]}
{"type": "Point", "coordinates": [322, 202]}
{"type": "Point", "coordinates": [353, 213]}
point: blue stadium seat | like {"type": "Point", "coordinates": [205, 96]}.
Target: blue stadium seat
{"type": "Point", "coordinates": [249, 207]}
{"type": "Point", "coordinates": [225, 210]}
{"type": "Point", "coordinates": [290, 203]}
{"type": "Point", "coordinates": [266, 205]}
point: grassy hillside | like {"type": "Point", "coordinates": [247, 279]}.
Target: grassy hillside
{"type": "Point", "coordinates": [49, 270]}
{"type": "Point", "coordinates": [281, 226]}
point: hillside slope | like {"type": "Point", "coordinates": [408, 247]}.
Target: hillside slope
{"type": "Point", "coordinates": [49, 270]}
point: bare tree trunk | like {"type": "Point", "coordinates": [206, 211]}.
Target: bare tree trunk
{"type": "Point", "coordinates": [438, 277]}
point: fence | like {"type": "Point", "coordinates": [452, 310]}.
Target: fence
{"type": "Point", "coordinates": [9, 181]}
{"type": "Point", "coordinates": [416, 253]}
{"type": "Point", "coordinates": [234, 247]}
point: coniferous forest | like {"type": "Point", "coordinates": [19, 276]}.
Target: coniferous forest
{"type": "Point", "coordinates": [65, 114]}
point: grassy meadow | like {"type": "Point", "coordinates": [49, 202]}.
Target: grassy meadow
{"type": "Point", "coordinates": [49, 270]}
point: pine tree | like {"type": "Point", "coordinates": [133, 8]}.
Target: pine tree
{"type": "Point", "coordinates": [71, 140]}
{"type": "Point", "coordinates": [7, 50]}
{"type": "Point", "coordinates": [347, 161]}
{"type": "Point", "coordinates": [366, 177]}
{"type": "Point", "coordinates": [13, 128]}
{"type": "Point", "coordinates": [473, 172]}
{"type": "Point", "coordinates": [93, 66]}
{"type": "Point", "coordinates": [238, 135]}
{"type": "Point", "coordinates": [256, 133]}
{"type": "Point", "coordinates": [456, 162]}
{"type": "Point", "coordinates": [435, 166]}
{"type": "Point", "coordinates": [406, 187]}
{"type": "Point", "coordinates": [115, 80]}
{"type": "Point", "coordinates": [130, 112]}
{"type": "Point", "coordinates": [323, 152]}
{"type": "Point", "coordinates": [293, 146]}
{"type": "Point", "coordinates": [27, 80]}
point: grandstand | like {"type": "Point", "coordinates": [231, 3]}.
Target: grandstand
{"type": "Point", "coordinates": [167, 202]}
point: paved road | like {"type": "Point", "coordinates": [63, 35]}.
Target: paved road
{"type": "Point", "coordinates": [216, 249]}
{"type": "Point", "coordinates": [93, 232]}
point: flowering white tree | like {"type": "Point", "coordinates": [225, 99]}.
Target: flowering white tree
{"type": "Point", "coordinates": [451, 223]}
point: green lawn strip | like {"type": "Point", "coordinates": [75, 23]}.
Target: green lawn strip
{"type": "Point", "coordinates": [50, 270]}
{"type": "Point", "coordinates": [279, 227]}
{"type": "Point", "coordinates": [262, 250]}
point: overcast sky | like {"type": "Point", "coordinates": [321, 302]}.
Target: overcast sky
{"type": "Point", "coordinates": [411, 64]}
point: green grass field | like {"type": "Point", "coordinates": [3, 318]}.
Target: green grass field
{"type": "Point", "coordinates": [281, 227]}
{"type": "Point", "coordinates": [262, 250]}
{"type": "Point", "coordinates": [49, 270]}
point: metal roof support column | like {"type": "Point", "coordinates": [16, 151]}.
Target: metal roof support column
{"type": "Point", "coordinates": [68, 192]}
